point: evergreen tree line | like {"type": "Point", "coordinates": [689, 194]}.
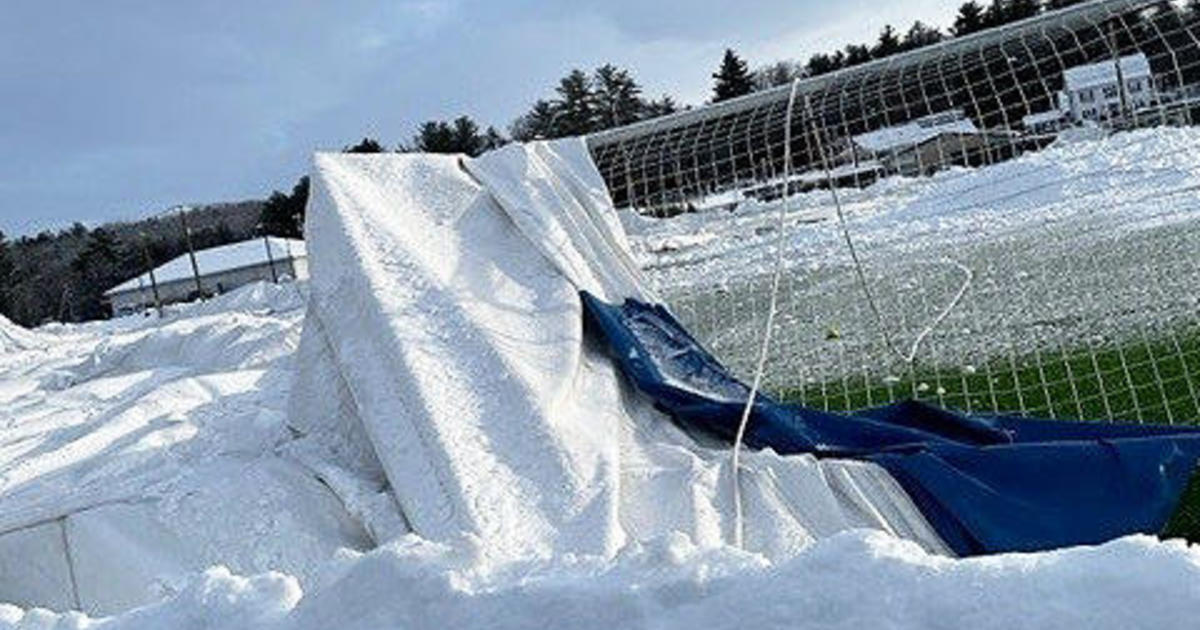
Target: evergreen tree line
{"type": "Point", "coordinates": [582, 104]}
{"type": "Point", "coordinates": [972, 17]}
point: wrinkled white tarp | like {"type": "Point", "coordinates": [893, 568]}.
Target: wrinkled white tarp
{"type": "Point", "coordinates": [444, 336]}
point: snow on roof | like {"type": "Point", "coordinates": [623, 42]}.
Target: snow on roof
{"type": "Point", "coordinates": [916, 131]}
{"type": "Point", "coordinates": [216, 260]}
{"type": "Point", "coordinates": [1043, 117]}
{"type": "Point", "coordinates": [866, 167]}
{"type": "Point", "coordinates": [1105, 72]}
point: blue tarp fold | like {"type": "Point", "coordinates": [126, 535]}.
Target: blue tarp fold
{"type": "Point", "coordinates": [987, 484]}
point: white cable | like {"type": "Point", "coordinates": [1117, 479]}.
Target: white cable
{"type": "Point", "coordinates": [770, 324]}
{"type": "Point", "coordinates": [907, 357]}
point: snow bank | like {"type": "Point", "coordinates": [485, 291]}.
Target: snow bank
{"type": "Point", "coordinates": [216, 600]}
{"type": "Point", "coordinates": [853, 580]}
{"type": "Point", "coordinates": [14, 338]}
{"type": "Point", "coordinates": [136, 453]}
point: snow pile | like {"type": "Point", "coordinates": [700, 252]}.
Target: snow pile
{"type": "Point", "coordinates": [216, 600]}
{"type": "Point", "coordinates": [14, 338]}
{"type": "Point", "coordinates": [853, 580]}
{"type": "Point", "coordinates": [256, 297]}
{"type": "Point", "coordinates": [137, 452]}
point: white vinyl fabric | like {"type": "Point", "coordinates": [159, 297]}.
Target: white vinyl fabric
{"type": "Point", "coordinates": [445, 337]}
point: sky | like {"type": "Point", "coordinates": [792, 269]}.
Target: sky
{"type": "Point", "coordinates": [120, 109]}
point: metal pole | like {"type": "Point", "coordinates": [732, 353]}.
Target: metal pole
{"type": "Point", "coordinates": [1116, 55]}
{"type": "Point", "coordinates": [187, 235]}
{"type": "Point", "coordinates": [270, 259]}
{"type": "Point", "coordinates": [153, 281]}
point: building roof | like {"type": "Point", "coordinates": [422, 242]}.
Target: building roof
{"type": "Point", "coordinates": [216, 260]}
{"type": "Point", "coordinates": [1105, 72]}
{"type": "Point", "coordinates": [916, 131]}
{"type": "Point", "coordinates": [1043, 117]}
{"type": "Point", "coordinates": [842, 171]}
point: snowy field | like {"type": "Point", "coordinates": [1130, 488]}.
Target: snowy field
{"type": "Point", "coordinates": [153, 476]}
{"type": "Point", "coordinates": [1080, 247]}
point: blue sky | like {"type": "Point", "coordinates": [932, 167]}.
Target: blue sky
{"type": "Point", "coordinates": [118, 109]}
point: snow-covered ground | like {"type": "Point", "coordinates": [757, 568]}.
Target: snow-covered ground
{"type": "Point", "coordinates": [173, 431]}
{"type": "Point", "coordinates": [1084, 243]}
{"type": "Point", "coordinates": [136, 451]}
{"type": "Point", "coordinates": [152, 474]}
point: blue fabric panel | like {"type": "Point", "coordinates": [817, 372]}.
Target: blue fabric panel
{"type": "Point", "coordinates": [988, 484]}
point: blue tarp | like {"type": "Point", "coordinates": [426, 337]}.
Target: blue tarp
{"type": "Point", "coordinates": [987, 484]}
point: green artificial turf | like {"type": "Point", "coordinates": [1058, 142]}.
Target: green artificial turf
{"type": "Point", "coordinates": [1143, 380]}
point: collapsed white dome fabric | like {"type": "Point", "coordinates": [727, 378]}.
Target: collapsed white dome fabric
{"type": "Point", "coordinates": [445, 336]}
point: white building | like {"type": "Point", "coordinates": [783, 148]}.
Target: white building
{"type": "Point", "coordinates": [1046, 122]}
{"type": "Point", "coordinates": [1093, 92]}
{"type": "Point", "coordinates": [927, 144]}
{"type": "Point", "coordinates": [897, 138]}
{"type": "Point", "coordinates": [221, 269]}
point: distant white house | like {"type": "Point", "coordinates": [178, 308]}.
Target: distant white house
{"type": "Point", "coordinates": [221, 269]}
{"type": "Point", "coordinates": [1093, 92]}
{"type": "Point", "coordinates": [924, 145]}
{"type": "Point", "coordinates": [1046, 122]}
{"type": "Point", "coordinates": [897, 138]}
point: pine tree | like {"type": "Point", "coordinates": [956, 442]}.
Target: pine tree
{"type": "Point", "coordinates": [467, 138]}
{"type": "Point", "coordinates": [970, 19]}
{"type": "Point", "coordinates": [821, 63]}
{"type": "Point", "coordinates": [1052, 5]}
{"type": "Point", "coordinates": [1021, 9]}
{"type": "Point", "coordinates": [1001, 12]}
{"type": "Point", "coordinates": [460, 135]}
{"type": "Point", "coordinates": [733, 79]}
{"type": "Point", "coordinates": [299, 202]}
{"type": "Point", "coordinates": [857, 54]}
{"type": "Point", "coordinates": [777, 74]}
{"type": "Point", "coordinates": [617, 97]}
{"type": "Point", "coordinates": [493, 139]}
{"type": "Point", "coordinates": [434, 136]}
{"type": "Point", "coordinates": [283, 214]}
{"type": "Point", "coordinates": [661, 107]}
{"type": "Point", "coordinates": [94, 269]}
{"type": "Point", "coordinates": [367, 145]}
{"type": "Point", "coordinates": [921, 35]}
{"type": "Point", "coordinates": [575, 105]}
{"type": "Point", "coordinates": [887, 44]}
{"type": "Point", "coordinates": [537, 124]}
{"type": "Point", "coordinates": [6, 275]}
